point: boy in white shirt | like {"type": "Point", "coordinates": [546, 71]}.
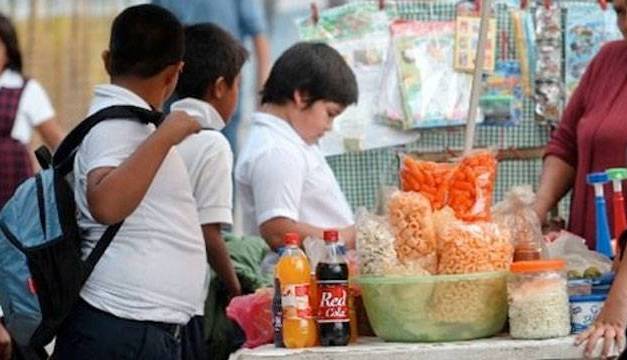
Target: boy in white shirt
{"type": "Point", "coordinates": [283, 181]}
{"type": "Point", "coordinates": [208, 89]}
{"type": "Point", "coordinates": [149, 282]}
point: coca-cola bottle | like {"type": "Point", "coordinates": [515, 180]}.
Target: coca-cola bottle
{"type": "Point", "coordinates": [332, 278]}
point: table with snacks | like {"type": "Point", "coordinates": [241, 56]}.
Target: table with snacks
{"type": "Point", "coordinates": [499, 347]}
{"type": "Point", "coordinates": [439, 272]}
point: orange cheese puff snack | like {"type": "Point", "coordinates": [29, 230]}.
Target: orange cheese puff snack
{"type": "Point", "coordinates": [473, 247]}
{"type": "Point", "coordinates": [426, 177]}
{"type": "Point", "coordinates": [471, 186]}
{"type": "Point", "coordinates": [410, 216]}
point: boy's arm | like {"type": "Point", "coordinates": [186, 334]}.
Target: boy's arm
{"type": "Point", "coordinates": [218, 258]}
{"type": "Point", "coordinates": [274, 229]}
{"type": "Point", "coordinates": [113, 193]}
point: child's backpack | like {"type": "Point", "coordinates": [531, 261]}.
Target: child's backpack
{"type": "Point", "coordinates": [41, 267]}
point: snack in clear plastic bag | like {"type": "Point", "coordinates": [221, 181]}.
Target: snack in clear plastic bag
{"type": "Point", "coordinates": [375, 244]}
{"type": "Point", "coordinates": [471, 186]}
{"type": "Point", "coordinates": [411, 218]}
{"type": "Point", "coordinates": [429, 178]}
{"type": "Point", "coordinates": [516, 213]}
{"type": "Point", "coordinates": [465, 248]}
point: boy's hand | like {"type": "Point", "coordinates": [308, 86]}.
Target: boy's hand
{"type": "Point", "coordinates": [5, 344]}
{"type": "Point", "coordinates": [178, 125]}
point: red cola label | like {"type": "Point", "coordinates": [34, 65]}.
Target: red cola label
{"type": "Point", "coordinates": [333, 295]}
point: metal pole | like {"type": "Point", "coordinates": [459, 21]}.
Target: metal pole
{"type": "Point", "coordinates": [475, 93]}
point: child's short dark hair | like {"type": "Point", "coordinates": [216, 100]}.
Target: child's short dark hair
{"type": "Point", "coordinates": [210, 53]}
{"type": "Point", "coordinates": [145, 39]}
{"type": "Point", "coordinates": [317, 70]}
{"type": "Point", "coordinates": [9, 37]}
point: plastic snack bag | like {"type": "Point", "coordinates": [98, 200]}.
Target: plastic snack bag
{"type": "Point", "coordinates": [471, 247]}
{"type": "Point", "coordinates": [429, 178]}
{"type": "Point", "coordinates": [471, 186]}
{"type": "Point", "coordinates": [411, 219]}
{"type": "Point", "coordinates": [516, 213]}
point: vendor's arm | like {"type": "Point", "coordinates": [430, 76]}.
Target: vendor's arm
{"type": "Point", "coordinates": [611, 322]}
{"type": "Point", "coordinates": [557, 178]}
{"type": "Point", "coordinates": [274, 229]}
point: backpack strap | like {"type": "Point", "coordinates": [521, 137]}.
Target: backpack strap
{"type": "Point", "coordinates": [63, 159]}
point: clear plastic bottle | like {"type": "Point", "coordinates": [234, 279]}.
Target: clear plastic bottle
{"type": "Point", "coordinates": [293, 273]}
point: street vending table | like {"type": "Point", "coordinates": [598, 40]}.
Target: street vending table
{"type": "Point", "coordinates": [500, 347]}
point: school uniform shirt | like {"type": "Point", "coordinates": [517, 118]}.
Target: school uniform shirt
{"type": "Point", "coordinates": [155, 267]}
{"type": "Point", "coordinates": [34, 107]}
{"type": "Point", "coordinates": [279, 175]}
{"type": "Point", "coordinates": [209, 161]}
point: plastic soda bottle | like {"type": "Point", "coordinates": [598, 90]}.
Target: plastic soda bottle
{"type": "Point", "coordinates": [333, 292]}
{"type": "Point", "coordinates": [293, 273]}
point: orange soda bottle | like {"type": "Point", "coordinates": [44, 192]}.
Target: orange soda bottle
{"type": "Point", "coordinates": [293, 272]}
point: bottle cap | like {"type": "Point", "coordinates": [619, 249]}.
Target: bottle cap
{"type": "Point", "coordinates": [537, 266]}
{"type": "Point", "coordinates": [617, 173]}
{"type": "Point", "coordinates": [331, 236]}
{"type": "Point", "coordinates": [597, 178]}
{"type": "Point", "coordinates": [291, 239]}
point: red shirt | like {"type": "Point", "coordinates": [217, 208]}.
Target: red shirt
{"type": "Point", "coordinates": [592, 135]}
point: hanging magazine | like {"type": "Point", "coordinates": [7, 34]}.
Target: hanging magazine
{"type": "Point", "coordinates": [588, 27]}
{"type": "Point", "coordinates": [360, 32]}
{"type": "Point", "coordinates": [433, 93]}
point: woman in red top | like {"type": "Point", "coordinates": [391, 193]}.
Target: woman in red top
{"type": "Point", "coordinates": [592, 136]}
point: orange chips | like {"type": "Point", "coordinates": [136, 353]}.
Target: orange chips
{"type": "Point", "coordinates": [471, 186]}
{"type": "Point", "coordinates": [428, 178]}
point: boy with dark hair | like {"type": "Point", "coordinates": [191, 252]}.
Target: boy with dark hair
{"type": "Point", "coordinates": [208, 89]}
{"type": "Point", "coordinates": [149, 282]}
{"type": "Point", "coordinates": [283, 181]}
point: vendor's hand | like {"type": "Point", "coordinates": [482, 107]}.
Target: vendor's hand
{"type": "Point", "coordinates": [551, 236]}
{"type": "Point", "coordinates": [5, 344]}
{"type": "Point", "coordinates": [612, 333]}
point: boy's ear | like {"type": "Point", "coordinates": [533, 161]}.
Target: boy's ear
{"type": "Point", "coordinates": [300, 99]}
{"type": "Point", "coordinates": [171, 73]}
{"type": "Point", "coordinates": [106, 59]}
{"type": "Point", "coordinates": [220, 88]}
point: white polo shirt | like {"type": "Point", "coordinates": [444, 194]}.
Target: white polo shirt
{"type": "Point", "coordinates": [279, 175]}
{"type": "Point", "coordinates": [209, 161]}
{"type": "Point", "coordinates": [33, 109]}
{"type": "Point", "coordinates": [155, 267]}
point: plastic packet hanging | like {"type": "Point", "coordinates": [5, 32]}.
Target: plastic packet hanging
{"type": "Point", "coordinates": [516, 213]}
{"type": "Point", "coordinates": [471, 186]}
{"type": "Point", "coordinates": [428, 178]}
{"type": "Point", "coordinates": [549, 91]}
{"type": "Point", "coordinates": [524, 36]}
{"type": "Point", "coordinates": [466, 39]}
{"type": "Point", "coordinates": [584, 36]}
{"type": "Point", "coordinates": [411, 219]}
{"type": "Point", "coordinates": [502, 98]}
{"type": "Point", "coordinates": [433, 93]}
{"type": "Point", "coordinates": [471, 247]}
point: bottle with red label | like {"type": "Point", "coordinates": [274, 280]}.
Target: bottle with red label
{"type": "Point", "coordinates": [333, 311]}
{"type": "Point", "coordinates": [293, 274]}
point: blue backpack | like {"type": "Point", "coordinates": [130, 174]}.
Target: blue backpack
{"type": "Point", "coordinates": [41, 266]}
